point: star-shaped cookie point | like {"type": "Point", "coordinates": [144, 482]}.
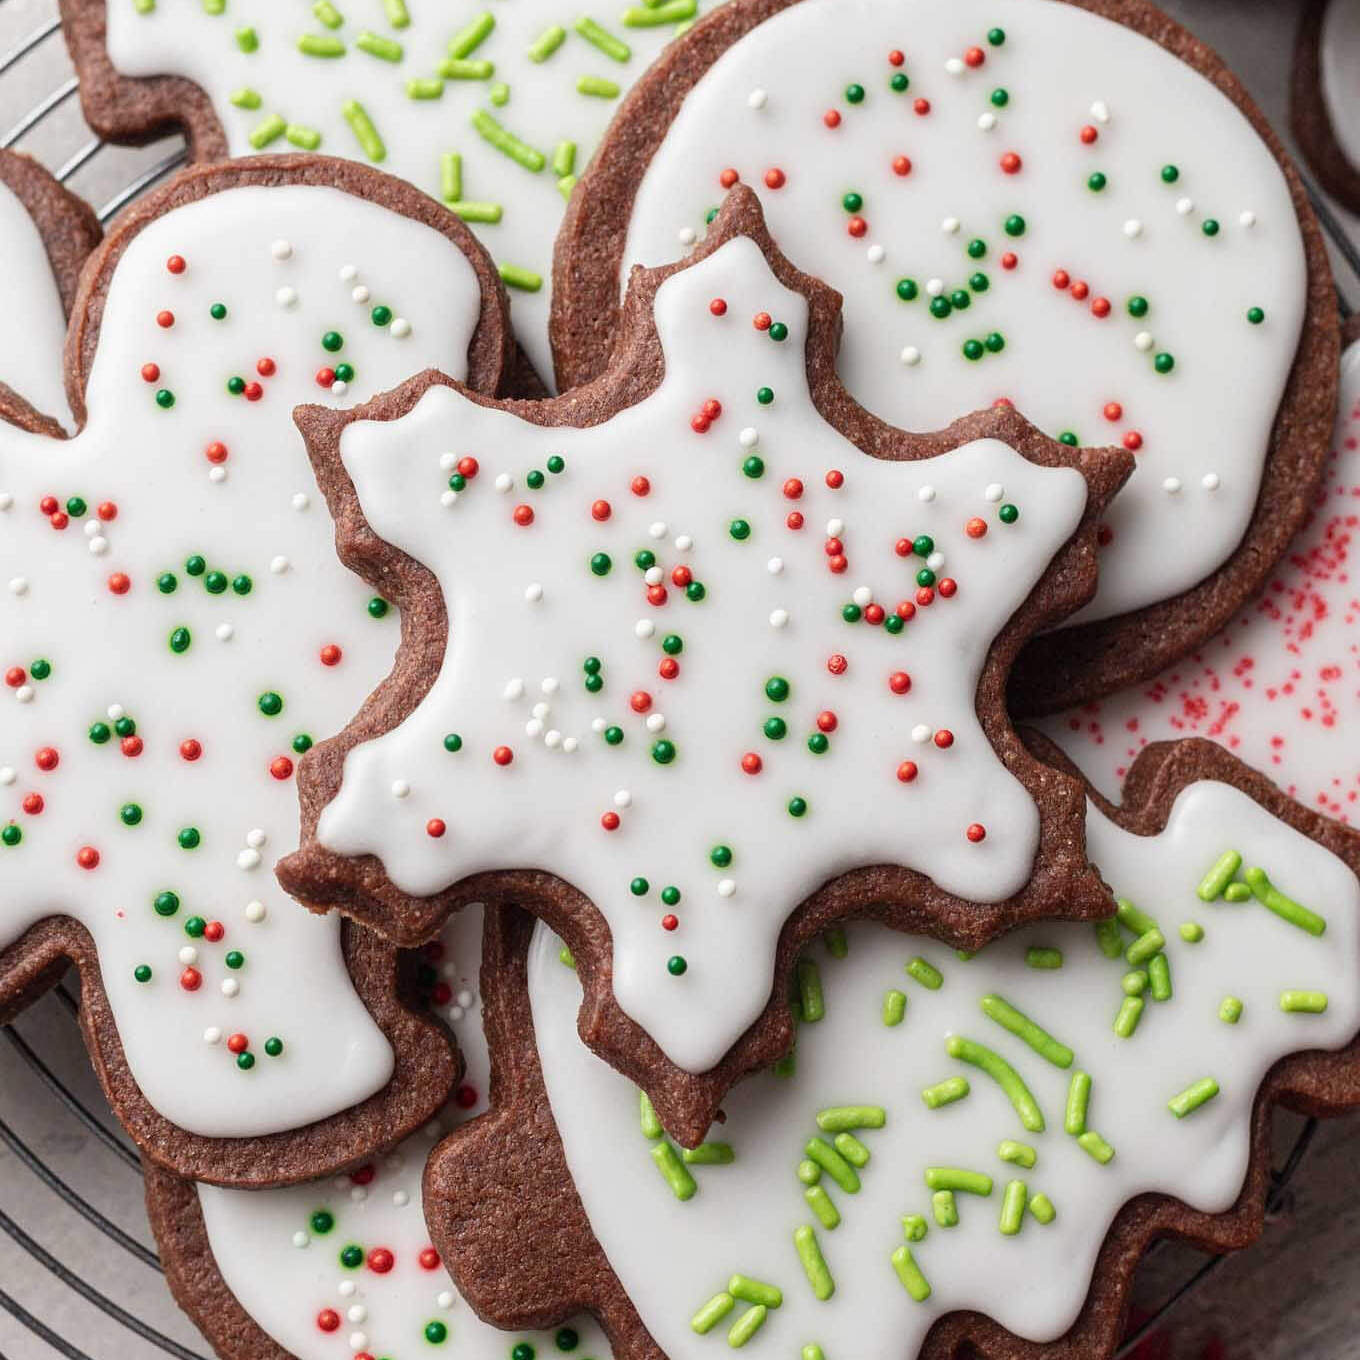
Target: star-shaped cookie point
{"type": "Point", "coordinates": [695, 649]}
{"type": "Point", "coordinates": [175, 631]}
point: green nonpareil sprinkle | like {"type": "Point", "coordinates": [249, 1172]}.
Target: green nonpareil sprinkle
{"type": "Point", "coordinates": [1159, 977]}
{"type": "Point", "coordinates": [820, 1203]}
{"type": "Point", "coordinates": [305, 137]}
{"type": "Point", "coordinates": [451, 176]}
{"type": "Point", "coordinates": [997, 1009]}
{"type": "Point", "coordinates": [746, 1326]}
{"type": "Point", "coordinates": [654, 16]}
{"type": "Point", "coordinates": [1270, 897]}
{"type": "Point", "coordinates": [397, 14]}
{"type": "Point", "coordinates": [1078, 1099]}
{"type": "Point", "coordinates": [547, 43]}
{"type": "Point", "coordinates": [246, 98]}
{"type": "Point", "coordinates": [914, 1227]}
{"type": "Point", "coordinates": [424, 87]}
{"type": "Point", "coordinates": [1108, 938]}
{"type": "Point", "coordinates": [564, 159]}
{"type": "Point", "coordinates": [709, 1154]}
{"type": "Point", "coordinates": [1131, 918]}
{"type": "Point", "coordinates": [1195, 1095]}
{"type": "Point", "coordinates": [247, 39]}
{"type": "Point", "coordinates": [1042, 1208]}
{"type": "Point", "coordinates": [327, 14]}
{"type": "Point", "coordinates": [1230, 1010]}
{"type": "Point", "coordinates": [1018, 1154]}
{"type": "Point", "coordinates": [945, 1092]}
{"type": "Point", "coordinates": [593, 33]}
{"type": "Point", "coordinates": [471, 211]}
{"type": "Point", "coordinates": [821, 1152]}
{"type": "Point", "coordinates": [507, 143]}
{"type": "Point", "coordinates": [361, 125]}
{"type": "Point", "coordinates": [651, 1125]}
{"type": "Point", "coordinates": [1093, 1144]}
{"type": "Point", "coordinates": [814, 1263]}
{"type": "Point", "coordinates": [957, 1179]}
{"type": "Point", "coordinates": [810, 991]}
{"type": "Point", "coordinates": [945, 1209]}
{"type": "Point", "coordinates": [1191, 932]}
{"type": "Point", "coordinates": [1129, 1014]}
{"type": "Point", "coordinates": [460, 68]}
{"type": "Point", "coordinates": [1307, 1003]}
{"type": "Point", "coordinates": [386, 49]}
{"type": "Point", "coordinates": [598, 86]}
{"type": "Point", "coordinates": [1237, 892]}
{"type": "Point", "coordinates": [844, 1118]}
{"type": "Point", "coordinates": [515, 276]}
{"type": "Point", "coordinates": [925, 973]}
{"type": "Point", "coordinates": [1145, 946]}
{"type": "Point", "coordinates": [1221, 873]}
{"type": "Point", "coordinates": [674, 1171]}
{"type": "Point", "coordinates": [894, 1007]}
{"type": "Point", "coordinates": [909, 1273]}
{"type": "Point", "coordinates": [1013, 1203]}
{"type": "Point", "coordinates": [995, 1066]}
{"type": "Point", "coordinates": [1043, 958]}
{"type": "Point", "coordinates": [320, 45]}
{"type": "Point", "coordinates": [267, 131]}
{"type": "Point", "coordinates": [712, 1313]}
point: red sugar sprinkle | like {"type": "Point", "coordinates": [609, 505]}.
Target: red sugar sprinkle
{"type": "Point", "coordinates": [265, 367]}
{"type": "Point", "coordinates": [60, 520]}
{"type": "Point", "coordinates": [1113, 411]}
{"type": "Point", "coordinates": [657, 595]}
{"type": "Point", "coordinates": [793, 489]}
{"type": "Point", "coordinates": [191, 979]}
{"type": "Point", "coordinates": [752, 763]}
{"type": "Point", "coordinates": [925, 595]}
{"type": "Point", "coordinates": [874, 613]}
{"type": "Point", "coordinates": [175, 264]}
{"type": "Point", "coordinates": [832, 118]}
{"type": "Point", "coordinates": [502, 755]}
{"type": "Point", "coordinates": [774, 178]}
{"type": "Point", "coordinates": [120, 583]}
{"type": "Point", "coordinates": [466, 1096]}
{"type": "Point", "coordinates": [857, 226]}
{"type": "Point", "coordinates": [944, 739]}
{"type": "Point", "coordinates": [976, 832]}
{"type": "Point", "coordinates": [190, 749]}
{"type": "Point", "coordinates": [364, 1175]}
{"type": "Point", "coordinates": [905, 610]}
{"type": "Point", "coordinates": [328, 1320]}
{"type": "Point", "coordinates": [610, 821]}
{"type": "Point", "coordinates": [601, 510]}
{"type": "Point", "coordinates": [640, 486]}
{"type": "Point", "coordinates": [150, 372]}
{"type": "Point", "coordinates": [1011, 163]}
{"type": "Point", "coordinates": [640, 701]}
{"type": "Point", "coordinates": [33, 804]}
{"type": "Point", "coordinates": [429, 1258]}
{"type": "Point", "coordinates": [835, 479]}
{"type": "Point", "coordinates": [1009, 260]}
{"type": "Point", "coordinates": [700, 423]}
{"type": "Point", "coordinates": [435, 828]}
{"type": "Point", "coordinates": [1080, 290]}
{"type": "Point", "coordinates": [896, 58]}
{"type": "Point", "coordinates": [901, 165]}
{"type": "Point", "coordinates": [712, 409]}
{"type": "Point", "coordinates": [899, 682]}
{"type": "Point", "coordinates": [87, 857]}
{"type": "Point", "coordinates": [681, 575]}
{"type": "Point", "coordinates": [253, 391]}
{"type": "Point", "coordinates": [1133, 441]}
{"type": "Point", "coordinates": [669, 922]}
{"type": "Point", "coordinates": [948, 587]}
{"type": "Point", "coordinates": [922, 106]}
{"type": "Point", "coordinates": [976, 528]}
{"type": "Point", "coordinates": [668, 668]}
{"type": "Point", "coordinates": [838, 563]}
{"type": "Point", "coordinates": [827, 721]}
{"type": "Point", "coordinates": [833, 547]}
{"type": "Point", "coordinates": [523, 515]}
{"type": "Point", "coordinates": [468, 466]}
{"type": "Point", "coordinates": [906, 771]}
{"type": "Point", "coordinates": [325, 377]}
{"type": "Point", "coordinates": [1088, 134]}
{"type": "Point", "coordinates": [1100, 307]}
{"type": "Point", "coordinates": [131, 746]}
{"type": "Point", "coordinates": [15, 676]}
{"type": "Point", "coordinates": [836, 664]}
{"type": "Point", "coordinates": [47, 759]}
{"type": "Point", "coordinates": [974, 56]}
{"type": "Point", "coordinates": [728, 178]}
{"type": "Point", "coordinates": [48, 505]}
{"type": "Point", "coordinates": [795, 519]}
{"type": "Point", "coordinates": [331, 654]}
{"type": "Point", "coordinates": [902, 547]}
{"type": "Point", "coordinates": [216, 452]}
{"type": "Point", "coordinates": [281, 767]}
{"type": "Point", "coordinates": [238, 1043]}
{"type": "Point", "coordinates": [214, 931]}
{"type": "Point", "coordinates": [1061, 278]}
{"type": "Point", "coordinates": [718, 307]}
{"type": "Point", "coordinates": [165, 320]}
{"type": "Point", "coordinates": [761, 321]}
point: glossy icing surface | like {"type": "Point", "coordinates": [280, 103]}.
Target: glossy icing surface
{"type": "Point", "coordinates": [175, 629]}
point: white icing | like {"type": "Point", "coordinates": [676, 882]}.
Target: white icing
{"type": "Point", "coordinates": [743, 1216]}
{"type": "Point", "coordinates": [514, 673]}
{"type": "Point", "coordinates": [1211, 416]}
{"type": "Point", "coordinates": [1280, 685]}
{"type": "Point", "coordinates": [544, 108]}
{"type": "Point", "coordinates": [31, 300]}
{"type": "Point", "coordinates": [1339, 73]}
{"type": "Point", "coordinates": [285, 1274]}
{"type": "Point", "coordinates": [110, 656]}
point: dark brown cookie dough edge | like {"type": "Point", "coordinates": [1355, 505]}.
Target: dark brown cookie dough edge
{"type": "Point", "coordinates": [490, 1177]}
{"type": "Point", "coordinates": [490, 350]}
{"type": "Point", "coordinates": [1062, 885]}
{"type": "Point", "coordinates": [70, 231]}
{"type": "Point", "coordinates": [427, 1065]}
{"type": "Point", "coordinates": [1071, 665]}
{"type": "Point", "coordinates": [1309, 120]}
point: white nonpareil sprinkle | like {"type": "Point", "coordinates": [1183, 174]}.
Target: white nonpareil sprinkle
{"type": "Point", "coordinates": [400, 788]}
{"type": "Point", "coordinates": [748, 437]}
{"type": "Point", "coordinates": [910, 356]}
{"type": "Point", "coordinates": [230, 987]}
{"type": "Point", "coordinates": [504, 482]}
{"type": "Point", "coordinates": [1133, 228]}
{"type": "Point", "coordinates": [400, 327]}
{"type": "Point", "coordinates": [281, 249]}
{"type": "Point", "coordinates": [994, 491]}
{"type": "Point", "coordinates": [1171, 485]}
{"type": "Point", "coordinates": [225, 632]}
{"type": "Point", "coordinates": [779, 618]}
{"type": "Point", "coordinates": [1143, 341]}
{"type": "Point", "coordinates": [255, 912]}
{"type": "Point", "coordinates": [757, 99]}
{"type": "Point", "coordinates": [644, 628]}
{"type": "Point", "coordinates": [514, 688]}
{"type": "Point", "coordinates": [1185, 206]}
{"type": "Point", "coordinates": [360, 293]}
{"type": "Point", "coordinates": [775, 565]}
{"type": "Point", "coordinates": [686, 236]}
{"type": "Point", "coordinates": [533, 592]}
{"type": "Point", "coordinates": [301, 500]}
{"type": "Point", "coordinates": [986, 121]}
{"type": "Point", "coordinates": [1210, 481]}
{"type": "Point", "coordinates": [862, 596]}
{"type": "Point", "coordinates": [726, 887]}
{"type": "Point", "coordinates": [212, 1035]}
{"type": "Point", "coordinates": [286, 297]}
{"type": "Point", "coordinates": [875, 254]}
{"type": "Point", "coordinates": [1100, 111]}
{"type": "Point", "coordinates": [921, 733]}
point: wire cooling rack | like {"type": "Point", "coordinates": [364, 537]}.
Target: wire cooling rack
{"type": "Point", "coordinates": [78, 1279]}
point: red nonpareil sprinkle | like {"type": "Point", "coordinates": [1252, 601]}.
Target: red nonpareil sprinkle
{"type": "Point", "coordinates": [466, 1096]}
{"type": "Point", "coordinates": [1088, 134]}
{"type": "Point", "coordinates": [131, 746]}
{"type": "Point", "coordinates": [718, 306]}
{"type": "Point", "coordinates": [87, 857]}
{"type": "Point", "coordinates": [832, 118]}
{"type": "Point", "coordinates": [325, 377]}
{"type": "Point", "coordinates": [468, 466]}
{"type": "Point", "coordinates": [669, 921]}
{"type": "Point", "coordinates": [838, 563]}
{"type": "Point", "coordinates": [191, 979]}
{"type": "Point", "coordinates": [1112, 411]}
{"type": "Point", "coordinates": [60, 520]}
{"type": "Point", "coordinates": [835, 479]}
{"type": "Point", "coordinates": [364, 1175]}
{"type": "Point", "coordinates": [944, 739]}
{"type": "Point", "coordinates": [857, 226]}
{"type": "Point", "coordinates": [833, 547]}
{"type": "Point", "coordinates": [728, 178]}
{"type": "Point", "coordinates": [774, 178]}
{"type": "Point", "coordinates": [976, 528]}
{"type": "Point", "coordinates": [948, 587]}
{"type": "Point", "coordinates": [237, 1043]}
{"type": "Point", "coordinates": [836, 663]}
{"type": "Point", "coordinates": [49, 505]}
{"type": "Point", "coordinates": [899, 682]}
{"type": "Point", "coordinates": [794, 519]}
{"type": "Point", "coordinates": [761, 321]}
{"type": "Point", "coordinates": [925, 596]}
{"type": "Point", "coordinates": [1009, 260]}
{"type": "Point", "coordinates": [640, 486]}
{"type": "Point", "coordinates": [1011, 163]}
{"type": "Point", "coordinates": [281, 767]}
{"type": "Point", "coordinates": [214, 931]}
{"type": "Point", "coordinates": [1061, 278]}
{"type": "Point", "coordinates": [1100, 307]}
{"type": "Point", "coordinates": [1080, 290]}
{"type": "Point", "coordinates": [974, 57]}
{"type": "Point", "coordinates": [265, 367]}
{"type": "Point", "coordinates": [1133, 441]}
{"type": "Point", "coordinates": [902, 547]}
{"type": "Point", "coordinates": [435, 828]}
{"type": "Point", "coordinates": [827, 721]}
{"type": "Point", "coordinates": [752, 763]}
{"type": "Point", "coordinates": [381, 1260]}
{"type": "Point", "coordinates": [610, 821]}
{"type": "Point", "coordinates": [901, 165]}
{"type": "Point", "coordinates": [896, 58]}
{"type": "Point", "coordinates": [523, 515]}
{"type": "Point", "coordinates": [328, 1320]}
{"type": "Point", "coordinates": [601, 510]}
{"type": "Point", "coordinates": [429, 1257]}
{"type": "Point", "coordinates": [253, 391]}
{"type": "Point", "coordinates": [190, 749]}
{"type": "Point", "coordinates": [216, 452]}
{"type": "Point", "coordinates": [640, 701]}
{"type": "Point", "coordinates": [906, 771]}
{"type": "Point", "coordinates": [905, 610]}
{"type": "Point", "coordinates": [793, 489]}
{"type": "Point", "coordinates": [151, 372]}
{"type": "Point", "coordinates": [976, 832]}
{"type": "Point", "coordinates": [331, 654]}
{"type": "Point", "coordinates": [681, 576]}
{"type": "Point", "coordinates": [165, 320]}
{"type": "Point", "coordinates": [712, 408]}
{"type": "Point", "coordinates": [922, 107]}
{"type": "Point", "coordinates": [657, 595]}
{"type": "Point", "coordinates": [700, 423]}
{"type": "Point", "coordinates": [873, 613]}
{"type": "Point", "coordinates": [668, 668]}
{"type": "Point", "coordinates": [47, 759]}
{"type": "Point", "coordinates": [33, 804]}
{"type": "Point", "coordinates": [15, 676]}
{"type": "Point", "coordinates": [502, 755]}
{"type": "Point", "coordinates": [175, 264]}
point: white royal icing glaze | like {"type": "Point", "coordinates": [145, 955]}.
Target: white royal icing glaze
{"type": "Point", "coordinates": [526, 611]}
{"type": "Point", "coordinates": [273, 256]}
{"type": "Point", "coordinates": [1280, 685]}
{"type": "Point", "coordinates": [288, 1275]}
{"type": "Point", "coordinates": [544, 110]}
{"type": "Point", "coordinates": [743, 1216]}
{"type": "Point", "coordinates": [1339, 62]}
{"type": "Point", "coordinates": [28, 290]}
{"type": "Point", "coordinates": [1063, 69]}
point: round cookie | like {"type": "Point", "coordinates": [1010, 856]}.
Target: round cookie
{"type": "Point", "coordinates": [700, 659]}
{"type": "Point", "coordinates": [493, 111]}
{"type": "Point", "coordinates": [1324, 95]}
{"type": "Point", "coordinates": [176, 633]}
{"type": "Point", "coordinates": [959, 1151]}
{"type": "Point", "coordinates": [1011, 212]}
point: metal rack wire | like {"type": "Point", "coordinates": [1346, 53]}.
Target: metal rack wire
{"type": "Point", "coordinates": [88, 1122]}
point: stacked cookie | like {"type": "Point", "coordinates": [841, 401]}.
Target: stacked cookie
{"type": "Point", "coordinates": [920, 370]}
